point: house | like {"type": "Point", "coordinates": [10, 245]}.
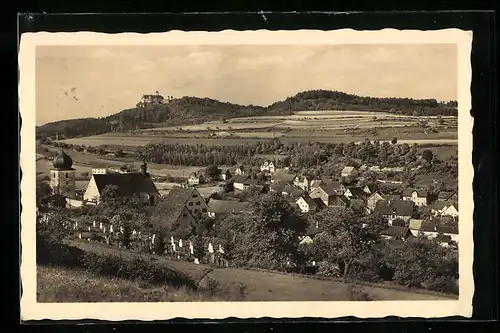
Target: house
{"type": "Point", "coordinates": [348, 171]}
{"type": "Point", "coordinates": [418, 196]}
{"type": "Point", "coordinates": [444, 240]}
{"type": "Point", "coordinates": [282, 175]}
{"type": "Point", "coordinates": [196, 178]}
{"type": "Point", "coordinates": [400, 233]}
{"type": "Point", "coordinates": [444, 208]}
{"type": "Point", "coordinates": [252, 182]}
{"type": "Point", "coordinates": [292, 191]}
{"type": "Point", "coordinates": [174, 218]}
{"type": "Point", "coordinates": [308, 237]}
{"type": "Point", "coordinates": [189, 197]}
{"type": "Point", "coordinates": [339, 201]}
{"type": "Point", "coordinates": [220, 207]}
{"type": "Point", "coordinates": [127, 185]}
{"type": "Point", "coordinates": [99, 171]}
{"type": "Point", "coordinates": [327, 192]}
{"type": "Point", "coordinates": [445, 196]}
{"type": "Point", "coordinates": [451, 210]}
{"type": "Point", "coordinates": [370, 189]}
{"type": "Point", "coordinates": [268, 166]}
{"type": "Point", "coordinates": [239, 181]}
{"type": "Point", "coordinates": [415, 225]}
{"type": "Point", "coordinates": [395, 209]}
{"type": "Point", "coordinates": [435, 226]}
{"type": "Point", "coordinates": [355, 193]}
{"type": "Point", "coordinates": [306, 204]}
{"type": "Point", "coordinates": [301, 182]}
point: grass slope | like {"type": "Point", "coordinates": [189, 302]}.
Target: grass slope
{"type": "Point", "coordinates": [55, 284]}
{"type": "Point", "coordinates": [270, 286]}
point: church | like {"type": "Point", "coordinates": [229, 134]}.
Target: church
{"type": "Point", "coordinates": [127, 185]}
{"type": "Point", "coordinates": [62, 176]}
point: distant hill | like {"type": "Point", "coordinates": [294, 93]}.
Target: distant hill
{"type": "Point", "coordinates": [194, 110]}
{"type": "Point", "coordinates": [334, 100]}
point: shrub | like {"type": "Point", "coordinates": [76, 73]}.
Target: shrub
{"type": "Point", "coordinates": [326, 268]}
{"type": "Point", "coordinates": [210, 285]}
{"type": "Point", "coordinates": [134, 269]}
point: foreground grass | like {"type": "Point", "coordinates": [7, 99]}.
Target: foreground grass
{"type": "Point", "coordinates": [270, 286]}
{"type": "Point", "coordinates": [55, 284]}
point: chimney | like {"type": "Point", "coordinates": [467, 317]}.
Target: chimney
{"type": "Point", "coordinates": [144, 169]}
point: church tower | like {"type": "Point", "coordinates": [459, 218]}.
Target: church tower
{"type": "Point", "coordinates": [62, 178]}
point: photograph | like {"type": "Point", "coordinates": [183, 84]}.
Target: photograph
{"type": "Point", "coordinates": [246, 174]}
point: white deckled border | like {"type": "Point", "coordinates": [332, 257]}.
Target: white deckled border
{"type": "Point", "coordinates": [30, 310]}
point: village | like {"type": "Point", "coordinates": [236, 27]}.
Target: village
{"type": "Point", "coordinates": [207, 198]}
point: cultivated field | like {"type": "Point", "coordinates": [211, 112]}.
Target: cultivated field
{"type": "Point", "coordinates": [267, 286]}
{"type": "Point", "coordinates": [322, 126]}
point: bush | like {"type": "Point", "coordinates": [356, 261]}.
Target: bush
{"type": "Point", "coordinates": [326, 268]}
{"type": "Point", "coordinates": [134, 269]}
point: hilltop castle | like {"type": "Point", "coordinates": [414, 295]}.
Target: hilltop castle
{"type": "Point", "coordinates": [154, 99]}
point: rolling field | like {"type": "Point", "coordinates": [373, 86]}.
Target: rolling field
{"type": "Point", "coordinates": [268, 286]}
{"type": "Point", "coordinates": [322, 126]}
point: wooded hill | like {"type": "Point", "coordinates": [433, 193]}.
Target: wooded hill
{"type": "Point", "coordinates": [194, 110]}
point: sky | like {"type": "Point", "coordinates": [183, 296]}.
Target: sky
{"type": "Point", "coordinates": [96, 81]}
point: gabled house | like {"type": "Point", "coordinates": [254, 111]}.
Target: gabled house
{"type": "Point", "coordinates": [222, 207]}
{"type": "Point", "coordinates": [395, 209]}
{"type": "Point", "coordinates": [282, 175]}
{"type": "Point", "coordinates": [301, 182]}
{"type": "Point", "coordinates": [306, 204]}
{"type": "Point", "coordinates": [239, 181]}
{"type": "Point", "coordinates": [435, 226]}
{"type": "Point", "coordinates": [268, 166]}
{"type": "Point", "coordinates": [196, 178]}
{"type": "Point", "coordinates": [189, 197]}
{"type": "Point", "coordinates": [355, 193]}
{"type": "Point", "coordinates": [444, 208]}
{"type": "Point", "coordinates": [348, 171]}
{"type": "Point", "coordinates": [373, 199]}
{"type": "Point", "coordinates": [418, 196]}
{"type": "Point", "coordinates": [399, 233]}
{"type": "Point", "coordinates": [127, 185]}
{"type": "Point", "coordinates": [327, 192]}
{"type": "Point", "coordinates": [174, 218]}
{"type": "Point", "coordinates": [370, 189]}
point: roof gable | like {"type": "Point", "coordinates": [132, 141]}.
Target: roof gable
{"type": "Point", "coordinates": [395, 207]}
{"type": "Point", "coordinates": [127, 184]}
{"type": "Point", "coordinates": [227, 206]}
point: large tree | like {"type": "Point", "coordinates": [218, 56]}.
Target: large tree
{"type": "Point", "coordinates": [350, 235]}
{"type": "Point", "coordinates": [267, 236]}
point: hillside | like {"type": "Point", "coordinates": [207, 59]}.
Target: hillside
{"type": "Point", "coordinates": [194, 110]}
{"type": "Point", "coordinates": [313, 100]}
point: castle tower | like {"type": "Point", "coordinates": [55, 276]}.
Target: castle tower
{"type": "Point", "coordinates": [62, 176]}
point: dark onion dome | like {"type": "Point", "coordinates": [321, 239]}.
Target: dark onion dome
{"type": "Point", "coordinates": [62, 161]}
